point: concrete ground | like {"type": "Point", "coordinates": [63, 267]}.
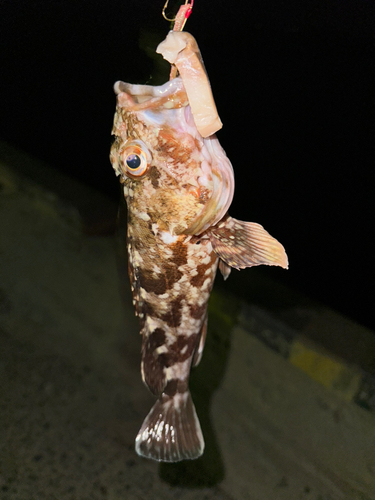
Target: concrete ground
{"type": "Point", "coordinates": [277, 426]}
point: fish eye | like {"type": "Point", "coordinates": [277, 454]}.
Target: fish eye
{"type": "Point", "coordinates": [136, 158]}
{"type": "Point", "coordinates": [133, 161]}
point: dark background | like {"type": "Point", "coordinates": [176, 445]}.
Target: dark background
{"type": "Point", "coordinates": [293, 86]}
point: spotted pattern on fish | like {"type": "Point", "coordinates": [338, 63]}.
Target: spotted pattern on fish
{"type": "Point", "coordinates": [178, 233]}
{"type": "Point", "coordinates": [173, 292]}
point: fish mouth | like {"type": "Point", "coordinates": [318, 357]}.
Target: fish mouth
{"type": "Point", "coordinates": [170, 95]}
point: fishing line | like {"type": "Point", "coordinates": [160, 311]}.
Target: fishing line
{"type": "Point", "coordinates": [179, 22]}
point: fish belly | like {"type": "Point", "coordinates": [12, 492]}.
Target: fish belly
{"type": "Point", "coordinates": [172, 283]}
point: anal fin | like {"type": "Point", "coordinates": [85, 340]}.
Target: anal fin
{"type": "Point", "coordinates": [171, 431]}
{"type": "Point", "coordinates": [224, 269]}
{"type": "Point", "coordinates": [202, 340]}
{"type": "Point", "coordinates": [244, 244]}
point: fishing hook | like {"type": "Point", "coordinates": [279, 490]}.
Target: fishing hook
{"type": "Point", "coordinates": [182, 15]}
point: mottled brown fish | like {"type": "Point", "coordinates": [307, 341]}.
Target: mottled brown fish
{"type": "Point", "coordinates": [178, 187]}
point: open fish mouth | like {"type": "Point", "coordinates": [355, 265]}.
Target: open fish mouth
{"type": "Point", "coordinates": [171, 94]}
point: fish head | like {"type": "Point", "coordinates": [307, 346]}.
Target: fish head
{"type": "Point", "coordinates": [172, 176]}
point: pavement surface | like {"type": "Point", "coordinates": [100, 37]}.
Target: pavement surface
{"type": "Point", "coordinates": [281, 418]}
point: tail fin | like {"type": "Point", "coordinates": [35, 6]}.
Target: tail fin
{"type": "Point", "coordinates": [171, 431]}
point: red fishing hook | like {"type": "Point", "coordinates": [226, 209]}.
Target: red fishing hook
{"type": "Point", "coordinates": [182, 15]}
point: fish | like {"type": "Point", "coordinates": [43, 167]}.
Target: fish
{"type": "Point", "coordinates": [178, 184]}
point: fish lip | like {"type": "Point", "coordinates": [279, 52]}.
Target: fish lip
{"type": "Point", "coordinates": [137, 91]}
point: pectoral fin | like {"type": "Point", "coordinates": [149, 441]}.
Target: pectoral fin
{"type": "Point", "coordinates": [244, 244]}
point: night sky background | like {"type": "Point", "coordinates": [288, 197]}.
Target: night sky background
{"type": "Point", "coordinates": [293, 84]}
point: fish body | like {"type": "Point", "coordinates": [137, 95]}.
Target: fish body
{"type": "Point", "coordinates": [178, 188]}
